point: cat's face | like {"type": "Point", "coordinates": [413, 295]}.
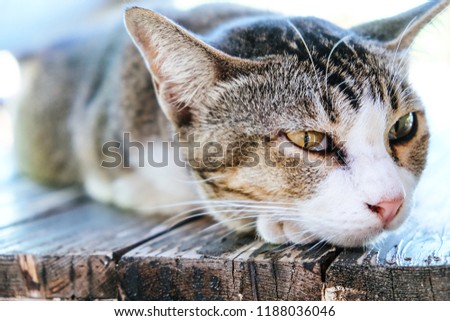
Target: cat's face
{"type": "Point", "coordinates": [327, 193]}
{"type": "Point", "coordinates": [324, 143]}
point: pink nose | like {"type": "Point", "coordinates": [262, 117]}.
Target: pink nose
{"type": "Point", "coordinates": [387, 210]}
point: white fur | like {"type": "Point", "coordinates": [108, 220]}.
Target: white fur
{"type": "Point", "coordinates": [146, 189]}
{"type": "Point", "coordinates": [98, 187]}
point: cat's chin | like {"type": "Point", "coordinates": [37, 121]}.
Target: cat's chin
{"type": "Point", "coordinates": [284, 233]}
{"type": "Point", "coordinates": [279, 232]}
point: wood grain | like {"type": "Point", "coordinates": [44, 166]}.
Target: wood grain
{"type": "Point", "coordinates": [200, 262]}
{"type": "Point", "coordinates": [412, 264]}
{"type": "Point", "coordinates": [58, 244]}
{"type": "Point", "coordinates": [22, 200]}
{"type": "Point", "coordinates": [69, 255]}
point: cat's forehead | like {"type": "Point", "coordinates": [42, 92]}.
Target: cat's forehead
{"type": "Point", "coordinates": [316, 73]}
{"type": "Point", "coordinates": [291, 94]}
{"type": "Point", "coordinates": [266, 36]}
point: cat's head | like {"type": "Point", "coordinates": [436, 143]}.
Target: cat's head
{"type": "Point", "coordinates": [306, 130]}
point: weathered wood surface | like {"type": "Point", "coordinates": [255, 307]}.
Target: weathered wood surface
{"type": "Point", "coordinates": [413, 265]}
{"type": "Point", "coordinates": [196, 262]}
{"type": "Point", "coordinates": [22, 200]}
{"type": "Point", "coordinates": [60, 244]}
{"type": "Point", "coordinates": [63, 249]}
{"type": "Point", "coordinates": [69, 255]}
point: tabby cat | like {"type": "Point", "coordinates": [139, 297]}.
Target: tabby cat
{"type": "Point", "coordinates": [290, 125]}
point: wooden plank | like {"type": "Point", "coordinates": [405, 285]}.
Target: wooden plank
{"type": "Point", "coordinates": [22, 199]}
{"type": "Point", "coordinates": [70, 255]}
{"type": "Point", "coordinates": [21, 189]}
{"type": "Point", "coordinates": [25, 200]}
{"type": "Point", "coordinates": [200, 262]}
{"type": "Point", "coordinates": [413, 264]}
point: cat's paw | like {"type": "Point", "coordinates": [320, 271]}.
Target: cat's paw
{"type": "Point", "coordinates": [98, 187]}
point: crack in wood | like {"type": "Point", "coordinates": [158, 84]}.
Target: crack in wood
{"type": "Point", "coordinates": [72, 276]}
{"type": "Point", "coordinates": [274, 275]}
{"type": "Point", "coordinates": [252, 275]}
{"type": "Point", "coordinates": [325, 265]}
{"type": "Point", "coordinates": [233, 281]}
{"type": "Point", "coordinates": [391, 274]}
{"type": "Point", "coordinates": [117, 255]}
{"type": "Point", "coordinates": [90, 278]}
{"type": "Point", "coordinates": [291, 281]}
{"type": "Point", "coordinates": [431, 286]}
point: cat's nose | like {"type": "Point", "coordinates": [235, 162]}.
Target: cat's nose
{"type": "Point", "coordinates": [387, 210]}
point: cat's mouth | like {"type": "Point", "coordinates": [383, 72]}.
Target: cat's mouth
{"type": "Point", "coordinates": [356, 229]}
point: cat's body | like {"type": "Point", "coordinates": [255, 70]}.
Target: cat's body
{"type": "Point", "coordinates": [259, 79]}
{"type": "Point", "coordinates": [99, 91]}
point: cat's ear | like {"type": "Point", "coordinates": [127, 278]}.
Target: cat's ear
{"type": "Point", "coordinates": [398, 32]}
{"type": "Point", "coordinates": [182, 66]}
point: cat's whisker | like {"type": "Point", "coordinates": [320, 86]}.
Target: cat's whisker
{"type": "Point", "coordinates": [243, 214]}
{"type": "Point", "coordinates": [402, 36]}
{"type": "Point", "coordinates": [197, 212]}
{"type": "Point", "coordinates": [173, 221]}
{"type": "Point", "coordinates": [401, 64]}
{"type": "Point", "coordinates": [244, 211]}
{"type": "Point", "coordinates": [289, 245]}
{"type": "Point", "coordinates": [309, 54]}
{"type": "Point", "coordinates": [210, 202]}
{"type": "Point", "coordinates": [304, 239]}
{"type": "Point", "coordinates": [410, 99]}
{"type": "Point", "coordinates": [396, 80]}
{"type": "Point", "coordinates": [317, 246]}
{"type": "Point", "coordinates": [228, 208]}
{"type": "Point", "coordinates": [195, 181]}
{"type": "Point", "coordinates": [344, 82]}
{"type": "Point", "coordinates": [251, 201]}
{"type": "Point", "coordinates": [240, 229]}
{"type": "Point", "coordinates": [224, 222]}
{"type": "Point", "coordinates": [328, 60]}
{"type": "Point", "coordinates": [239, 216]}
{"type": "Point", "coordinates": [283, 247]}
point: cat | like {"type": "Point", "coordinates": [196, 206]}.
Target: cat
{"type": "Point", "coordinates": [291, 126]}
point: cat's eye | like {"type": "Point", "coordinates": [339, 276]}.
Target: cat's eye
{"type": "Point", "coordinates": [403, 128]}
{"type": "Point", "coordinates": [309, 140]}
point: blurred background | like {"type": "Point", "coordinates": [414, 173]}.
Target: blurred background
{"type": "Point", "coordinates": [27, 26]}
